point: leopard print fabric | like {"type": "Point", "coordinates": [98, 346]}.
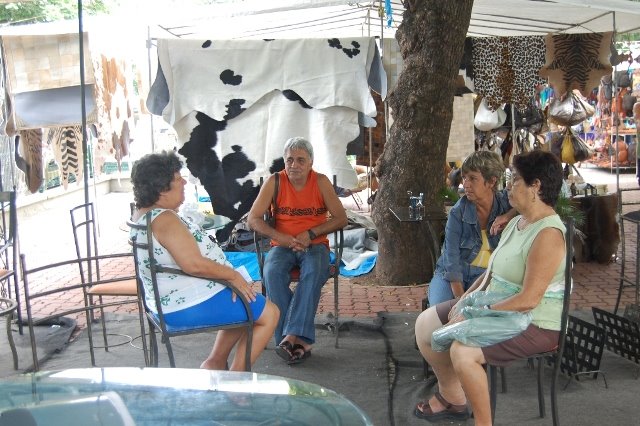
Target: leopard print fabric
{"type": "Point", "coordinates": [506, 69]}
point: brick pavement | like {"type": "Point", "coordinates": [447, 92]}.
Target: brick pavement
{"type": "Point", "coordinates": [595, 284]}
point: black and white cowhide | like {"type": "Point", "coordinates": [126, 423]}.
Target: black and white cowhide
{"type": "Point", "coordinates": [235, 103]}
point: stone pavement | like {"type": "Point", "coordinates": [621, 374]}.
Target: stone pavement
{"type": "Point", "coordinates": [376, 344]}
{"type": "Point", "coordinates": [46, 237]}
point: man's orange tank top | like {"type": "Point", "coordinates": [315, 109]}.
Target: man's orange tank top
{"type": "Point", "coordinates": [299, 211]}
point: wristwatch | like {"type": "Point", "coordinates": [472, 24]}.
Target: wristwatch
{"type": "Point", "coordinates": [312, 235]}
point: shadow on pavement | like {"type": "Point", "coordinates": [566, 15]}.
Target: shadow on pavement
{"type": "Point", "coordinates": [378, 368]}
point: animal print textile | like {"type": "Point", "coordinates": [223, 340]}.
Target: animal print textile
{"type": "Point", "coordinates": [576, 61]}
{"type": "Point", "coordinates": [506, 69]}
{"type": "Point", "coordinates": [234, 103]}
{"type": "Point", "coordinates": [114, 108]}
{"type": "Point", "coordinates": [67, 150]}
{"type": "Point", "coordinates": [29, 157]}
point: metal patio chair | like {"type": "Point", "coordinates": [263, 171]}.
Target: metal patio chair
{"type": "Point", "coordinates": [156, 321]}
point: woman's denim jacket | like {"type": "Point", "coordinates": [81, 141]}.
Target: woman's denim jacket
{"type": "Point", "coordinates": [463, 238]}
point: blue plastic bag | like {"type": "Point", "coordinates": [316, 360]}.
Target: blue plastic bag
{"type": "Point", "coordinates": [482, 327]}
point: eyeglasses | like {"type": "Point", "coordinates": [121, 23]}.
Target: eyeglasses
{"type": "Point", "coordinates": [512, 177]}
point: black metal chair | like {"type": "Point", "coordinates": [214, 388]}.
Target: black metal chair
{"type": "Point", "coordinates": [40, 280]}
{"type": "Point", "coordinates": [9, 251]}
{"type": "Point", "coordinates": [554, 355]}
{"type": "Point", "coordinates": [334, 268]}
{"type": "Point", "coordinates": [155, 320]}
{"type": "Point", "coordinates": [628, 278]}
{"type": "Point", "coordinates": [83, 225]}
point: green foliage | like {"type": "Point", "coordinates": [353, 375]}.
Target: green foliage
{"type": "Point", "coordinates": [566, 210]}
{"type": "Point", "coordinates": [29, 12]}
{"type": "Point", "coordinates": [447, 195]}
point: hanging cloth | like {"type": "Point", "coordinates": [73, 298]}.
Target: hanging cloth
{"type": "Point", "coordinates": [506, 69]}
{"type": "Point", "coordinates": [576, 61]}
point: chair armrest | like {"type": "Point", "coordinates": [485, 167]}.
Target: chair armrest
{"type": "Point", "coordinates": [338, 237]}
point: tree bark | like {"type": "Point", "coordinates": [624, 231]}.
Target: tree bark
{"type": "Point", "coordinates": [431, 39]}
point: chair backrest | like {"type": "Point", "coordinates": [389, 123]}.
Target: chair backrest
{"type": "Point", "coordinates": [8, 233]}
{"type": "Point", "coordinates": [84, 230]}
{"type": "Point", "coordinates": [63, 277]}
{"type": "Point", "coordinates": [138, 244]}
{"type": "Point", "coordinates": [9, 248]}
{"type": "Point", "coordinates": [568, 284]}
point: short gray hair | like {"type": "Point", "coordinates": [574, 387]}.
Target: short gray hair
{"type": "Point", "coordinates": [298, 143]}
{"type": "Point", "coordinates": [488, 163]}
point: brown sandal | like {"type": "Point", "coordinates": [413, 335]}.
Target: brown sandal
{"type": "Point", "coordinates": [451, 412]}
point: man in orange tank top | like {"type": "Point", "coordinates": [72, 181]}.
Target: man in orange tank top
{"type": "Point", "coordinates": [298, 241]}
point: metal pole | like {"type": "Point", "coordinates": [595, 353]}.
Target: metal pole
{"type": "Point", "coordinates": [85, 163]}
{"type": "Point", "coordinates": [616, 120]}
{"type": "Point", "coordinates": [153, 144]}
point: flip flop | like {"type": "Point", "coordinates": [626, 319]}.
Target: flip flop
{"type": "Point", "coordinates": [451, 412]}
{"type": "Point", "coordinates": [285, 350]}
{"type": "Point", "coordinates": [298, 354]}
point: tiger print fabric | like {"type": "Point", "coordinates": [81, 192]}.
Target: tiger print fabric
{"type": "Point", "coordinates": [576, 61]}
{"type": "Point", "coordinates": [66, 143]}
{"type": "Point", "coordinates": [506, 69]}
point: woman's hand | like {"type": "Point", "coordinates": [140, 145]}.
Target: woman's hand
{"type": "Point", "coordinates": [243, 287]}
{"type": "Point", "coordinates": [454, 310]}
{"type": "Point", "coordinates": [499, 223]}
{"type": "Point", "coordinates": [456, 318]}
{"type": "Point", "coordinates": [457, 289]}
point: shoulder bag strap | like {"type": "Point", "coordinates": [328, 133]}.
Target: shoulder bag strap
{"type": "Point", "coordinates": [274, 200]}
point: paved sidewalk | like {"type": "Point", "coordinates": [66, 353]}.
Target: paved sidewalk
{"type": "Point", "coordinates": [46, 237]}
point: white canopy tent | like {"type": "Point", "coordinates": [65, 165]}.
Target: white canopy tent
{"type": "Point", "coordinates": [320, 18]}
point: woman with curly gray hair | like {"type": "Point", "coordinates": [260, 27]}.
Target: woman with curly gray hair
{"type": "Point", "coordinates": [473, 227]}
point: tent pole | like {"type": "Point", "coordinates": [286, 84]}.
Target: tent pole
{"type": "Point", "coordinates": [153, 144]}
{"type": "Point", "coordinates": [85, 162]}
{"type": "Point", "coordinates": [616, 121]}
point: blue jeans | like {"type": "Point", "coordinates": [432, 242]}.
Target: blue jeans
{"type": "Point", "coordinates": [440, 287]}
{"type": "Point", "coordinates": [298, 307]}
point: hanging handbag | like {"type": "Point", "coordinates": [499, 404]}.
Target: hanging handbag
{"type": "Point", "coordinates": [486, 120]}
{"type": "Point", "coordinates": [574, 149]}
{"type": "Point", "coordinates": [622, 79]}
{"type": "Point", "coordinates": [573, 110]}
{"type": "Point", "coordinates": [581, 151]}
{"type": "Point", "coordinates": [531, 116]}
{"type": "Point", "coordinates": [567, 155]}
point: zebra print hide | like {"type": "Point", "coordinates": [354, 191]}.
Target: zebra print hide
{"type": "Point", "coordinates": [576, 61]}
{"type": "Point", "coordinates": [66, 143]}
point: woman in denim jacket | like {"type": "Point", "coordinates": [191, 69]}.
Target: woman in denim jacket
{"type": "Point", "coordinates": [482, 212]}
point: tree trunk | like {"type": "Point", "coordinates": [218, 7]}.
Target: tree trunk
{"type": "Point", "coordinates": [431, 39]}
